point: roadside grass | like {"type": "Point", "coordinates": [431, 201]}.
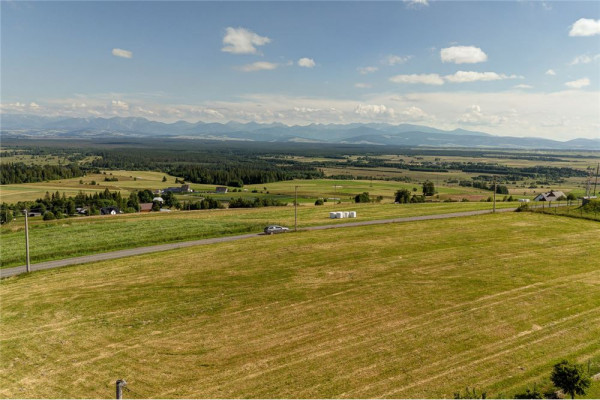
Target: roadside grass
{"type": "Point", "coordinates": [413, 310]}
{"type": "Point", "coordinates": [571, 211]}
{"type": "Point", "coordinates": [71, 237]}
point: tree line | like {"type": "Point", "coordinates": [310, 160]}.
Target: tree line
{"type": "Point", "coordinates": [11, 173]}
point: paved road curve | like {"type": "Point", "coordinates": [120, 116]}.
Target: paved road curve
{"type": "Point", "coordinates": [4, 273]}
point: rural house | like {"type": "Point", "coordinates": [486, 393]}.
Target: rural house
{"type": "Point", "coordinates": [111, 210]}
{"type": "Point", "coordinates": [183, 189]}
{"type": "Point", "coordinates": [145, 207]}
{"type": "Point", "coordinates": [552, 195]}
{"type": "Point", "coordinates": [221, 189]}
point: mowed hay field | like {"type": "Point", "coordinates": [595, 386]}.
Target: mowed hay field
{"type": "Point", "coordinates": [51, 240]}
{"type": "Point", "coordinates": [418, 309]}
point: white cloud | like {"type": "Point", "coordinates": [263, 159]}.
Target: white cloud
{"type": "Point", "coordinates": [373, 110]}
{"type": "Point", "coordinates": [474, 116]}
{"type": "Point", "coordinates": [463, 55]}
{"type": "Point", "coordinates": [119, 105]}
{"type": "Point", "coordinates": [414, 113]}
{"type": "Point", "coordinates": [34, 106]}
{"type": "Point", "coordinates": [367, 70]}
{"type": "Point", "coordinates": [584, 59]}
{"type": "Point", "coordinates": [122, 53]}
{"type": "Point", "coordinates": [242, 41]}
{"type": "Point", "coordinates": [550, 72]}
{"type": "Point", "coordinates": [578, 84]}
{"type": "Point", "coordinates": [392, 60]}
{"type": "Point", "coordinates": [472, 76]}
{"type": "Point", "coordinates": [144, 111]}
{"type": "Point", "coordinates": [425, 79]}
{"type": "Point", "coordinates": [306, 62]}
{"type": "Point", "coordinates": [585, 27]}
{"type": "Point", "coordinates": [258, 66]}
{"type": "Point", "coordinates": [523, 86]}
{"type": "Point", "coordinates": [362, 85]}
{"type": "Point", "coordinates": [417, 3]}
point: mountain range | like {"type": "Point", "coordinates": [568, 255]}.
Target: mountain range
{"type": "Point", "coordinates": [18, 125]}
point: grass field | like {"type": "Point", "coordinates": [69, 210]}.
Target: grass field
{"type": "Point", "coordinates": [41, 159]}
{"type": "Point", "coordinates": [308, 190]}
{"type": "Point", "coordinates": [572, 211]}
{"type": "Point", "coordinates": [419, 309]}
{"type": "Point", "coordinates": [127, 181]}
{"type": "Point", "coordinates": [71, 237]}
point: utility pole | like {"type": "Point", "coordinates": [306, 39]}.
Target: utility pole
{"type": "Point", "coordinates": [596, 181]}
{"type": "Point", "coordinates": [296, 208]}
{"type": "Point", "coordinates": [27, 266]}
{"type": "Point", "coordinates": [120, 385]}
{"type": "Point", "coordinates": [494, 210]}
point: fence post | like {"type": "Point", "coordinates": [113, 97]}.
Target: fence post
{"type": "Point", "coordinates": [120, 385]}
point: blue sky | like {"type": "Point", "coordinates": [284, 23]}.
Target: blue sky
{"type": "Point", "coordinates": [513, 68]}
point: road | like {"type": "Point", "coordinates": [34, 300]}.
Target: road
{"type": "Point", "coordinates": [5, 273]}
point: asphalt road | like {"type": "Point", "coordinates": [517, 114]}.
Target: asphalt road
{"type": "Point", "coordinates": [4, 273]}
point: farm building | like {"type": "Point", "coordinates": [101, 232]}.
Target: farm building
{"type": "Point", "coordinates": [145, 207]}
{"type": "Point", "coordinates": [110, 210]}
{"type": "Point", "coordinates": [221, 189]}
{"type": "Point", "coordinates": [159, 199]}
{"type": "Point", "coordinates": [552, 195]}
{"type": "Point", "coordinates": [183, 189]}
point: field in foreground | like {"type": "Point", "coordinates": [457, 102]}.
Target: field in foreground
{"type": "Point", "coordinates": [418, 309]}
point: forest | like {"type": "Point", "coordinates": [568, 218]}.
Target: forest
{"type": "Point", "coordinates": [22, 173]}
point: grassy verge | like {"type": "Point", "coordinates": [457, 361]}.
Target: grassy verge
{"type": "Point", "coordinates": [571, 211]}
{"type": "Point", "coordinates": [51, 240]}
{"type": "Point", "coordinates": [417, 310]}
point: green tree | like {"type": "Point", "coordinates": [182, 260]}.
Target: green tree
{"type": "Point", "coordinates": [428, 188]}
{"type": "Point", "coordinates": [164, 179]}
{"type": "Point", "coordinates": [362, 198]}
{"type": "Point", "coordinates": [6, 214]}
{"type": "Point", "coordinates": [570, 378]}
{"type": "Point", "coordinates": [48, 216]}
{"type": "Point", "coordinates": [403, 196]}
{"type": "Point", "coordinates": [319, 202]}
{"type": "Point", "coordinates": [133, 201]}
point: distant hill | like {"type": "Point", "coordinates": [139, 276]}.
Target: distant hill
{"type": "Point", "coordinates": [354, 133]}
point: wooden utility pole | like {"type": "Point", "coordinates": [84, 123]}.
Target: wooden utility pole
{"type": "Point", "coordinates": [295, 208]}
{"type": "Point", "coordinates": [494, 210]}
{"type": "Point", "coordinates": [120, 385]}
{"type": "Point", "coordinates": [596, 181]}
{"type": "Point", "coordinates": [27, 266]}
